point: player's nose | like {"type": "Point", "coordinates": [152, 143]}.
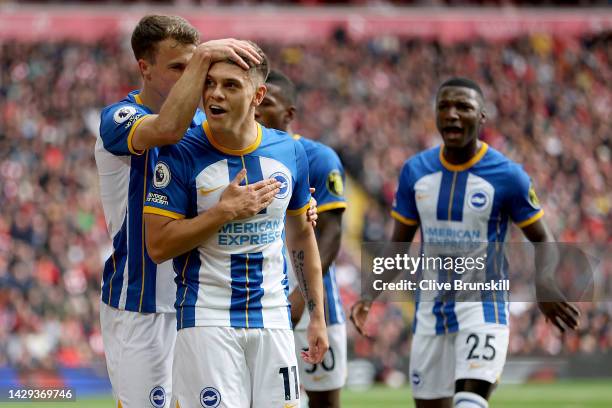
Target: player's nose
{"type": "Point", "coordinates": [452, 113]}
{"type": "Point", "coordinates": [216, 93]}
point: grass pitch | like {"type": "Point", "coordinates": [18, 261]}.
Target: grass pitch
{"type": "Point", "coordinates": [563, 394]}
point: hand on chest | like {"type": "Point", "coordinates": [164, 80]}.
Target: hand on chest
{"type": "Point", "coordinates": [212, 181]}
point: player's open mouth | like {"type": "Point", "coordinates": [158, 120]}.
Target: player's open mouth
{"type": "Point", "coordinates": [453, 131]}
{"type": "Point", "coordinates": [216, 110]}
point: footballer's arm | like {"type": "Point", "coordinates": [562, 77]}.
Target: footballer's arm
{"type": "Point", "coordinates": [304, 253]}
{"type": "Point", "coordinates": [554, 306]}
{"type": "Point", "coordinates": [359, 312]}
{"type": "Point", "coordinates": [330, 236]}
{"type": "Point", "coordinates": [328, 241]}
{"type": "Point", "coordinates": [169, 237]}
{"type": "Point", "coordinates": [176, 113]}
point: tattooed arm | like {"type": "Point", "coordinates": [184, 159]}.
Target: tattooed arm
{"type": "Point", "coordinates": [306, 263]}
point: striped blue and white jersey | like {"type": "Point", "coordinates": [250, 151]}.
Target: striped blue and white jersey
{"type": "Point", "coordinates": [238, 276]}
{"type": "Point", "coordinates": [455, 205]}
{"type": "Point", "coordinates": [326, 175]}
{"type": "Point", "coordinates": [130, 281]}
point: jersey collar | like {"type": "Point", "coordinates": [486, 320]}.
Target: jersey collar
{"type": "Point", "coordinates": [233, 152]}
{"type": "Point", "coordinates": [464, 166]}
{"type": "Point", "coordinates": [138, 99]}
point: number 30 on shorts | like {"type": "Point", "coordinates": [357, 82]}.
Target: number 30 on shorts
{"type": "Point", "coordinates": [326, 364]}
{"type": "Point", "coordinates": [486, 351]}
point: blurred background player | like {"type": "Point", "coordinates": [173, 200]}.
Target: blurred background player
{"type": "Point", "coordinates": [137, 314]}
{"type": "Point", "coordinates": [323, 381]}
{"type": "Point", "coordinates": [235, 346]}
{"type": "Point", "coordinates": [459, 349]}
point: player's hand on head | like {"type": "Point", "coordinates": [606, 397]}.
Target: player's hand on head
{"type": "Point", "coordinates": [312, 215]}
{"type": "Point", "coordinates": [248, 200]}
{"type": "Point", "coordinates": [238, 51]}
{"type": "Point", "coordinates": [318, 342]}
{"type": "Point", "coordinates": [359, 315]}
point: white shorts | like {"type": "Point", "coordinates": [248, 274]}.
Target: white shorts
{"type": "Point", "coordinates": [436, 362]}
{"type": "Point", "coordinates": [139, 349]}
{"type": "Point", "coordinates": [330, 374]}
{"type": "Point", "coordinates": [235, 368]}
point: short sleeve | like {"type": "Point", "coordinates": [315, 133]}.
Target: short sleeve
{"type": "Point", "coordinates": [523, 204]}
{"type": "Point", "coordinates": [168, 186]}
{"type": "Point", "coordinates": [327, 177]}
{"type": "Point", "coordinates": [404, 205]}
{"type": "Point", "coordinates": [300, 196]}
{"type": "Point", "coordinates": [117, 126]}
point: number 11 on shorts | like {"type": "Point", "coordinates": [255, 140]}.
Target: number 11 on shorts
{"type": "Point", "coordinates": [285, 372]}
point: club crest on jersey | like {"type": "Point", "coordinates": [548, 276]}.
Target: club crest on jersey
{"type": "Point", "coordinates": [533, 198]}
{"type": "Point", "coordinates": [210, 397]}
{"type": "Point", "coordinates": [415, 378]}
{"type": "Point", "coordinates": [334, 183]}
{"type": "Point", "coordinates": [123, 113]}
{"type": "Point", "coordinates": [157, 397]}
{"type": "Point", "coordinates": [478, 200]}
{"type": "Point", "coordinates": [285, 187]}
{"type": "Point", "coordinates": [161, 175]}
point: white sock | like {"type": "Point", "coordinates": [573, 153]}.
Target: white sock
{"type": "Point", "coordinates": [469, 400]}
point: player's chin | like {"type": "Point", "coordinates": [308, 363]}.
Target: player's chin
{"type": "Point", "coordinates": [454, 140]}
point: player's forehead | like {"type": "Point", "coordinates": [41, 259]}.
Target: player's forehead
{"type": "Point", "coordinates": [170, 51]}
{"type": "Point", "coordinates": [458, 94]}
{"type": "Point", "coordinates": [274, 93]}
{"type": "Point", "coordinates": [225, 71]}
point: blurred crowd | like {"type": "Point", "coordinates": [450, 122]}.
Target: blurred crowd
{"type": "Point", "coordinates": [548, 104]}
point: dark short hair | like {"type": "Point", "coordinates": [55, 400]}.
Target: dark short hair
{"type": "Point", "coordinates": [153, 29]}
{"type": "Point", "coordinates": [262, 69]}
{"type": "Point", "coordinates": [462, 83]}
{"type": "Point", "coordinates": [287, 87]}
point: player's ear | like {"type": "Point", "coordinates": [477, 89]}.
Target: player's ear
{"type": "Point", "coordinates": [483, 116]}
{"type": "Point", "coordinates": [145, 68]}
{"type": "Point", "coordinates": [260, 93]}
{"type": "Point", "coordinates": [290, 114]}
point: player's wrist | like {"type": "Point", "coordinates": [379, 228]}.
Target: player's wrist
{"type": "Point", "coordinates": [226, 212]}
{"type": "Point", "coordinates": [316, 313]}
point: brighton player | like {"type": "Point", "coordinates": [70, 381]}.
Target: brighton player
{"type": "Point", "coordinates": [324, 381]}
{"type": "Point", "coordinates": [136, 312]}
{"type": "Point", "coordinates": [235, 347]}
{"type": "Point", "coordinates": [459, 349]}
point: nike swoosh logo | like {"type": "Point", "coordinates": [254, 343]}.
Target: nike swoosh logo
{"type": "Point", "coordinates": [290, 405]}
{"type": "Point", "coordinates": [204, 191]}
{"type": "Point", "coordinates": [421, 196]}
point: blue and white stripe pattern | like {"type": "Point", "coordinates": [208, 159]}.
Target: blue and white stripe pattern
{"type": "Point", "coordinates": [461, 204]}
{"type": "Point", "coordinates": [238, 276]}
{"type": "Point", "coordinates": [131, 280]}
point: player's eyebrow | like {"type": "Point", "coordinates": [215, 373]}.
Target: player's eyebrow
{"type": "Point", "coordinates": [232, 81]}
{"type": "Point", "coordinates": [177, 64]}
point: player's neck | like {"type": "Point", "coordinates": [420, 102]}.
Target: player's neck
{"type": "Point", "coordinates": [151, 99]}
{"type": "Point", "coordinates": [463, 154]}
{"type": "Point", "coordinates": [238, 137]}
